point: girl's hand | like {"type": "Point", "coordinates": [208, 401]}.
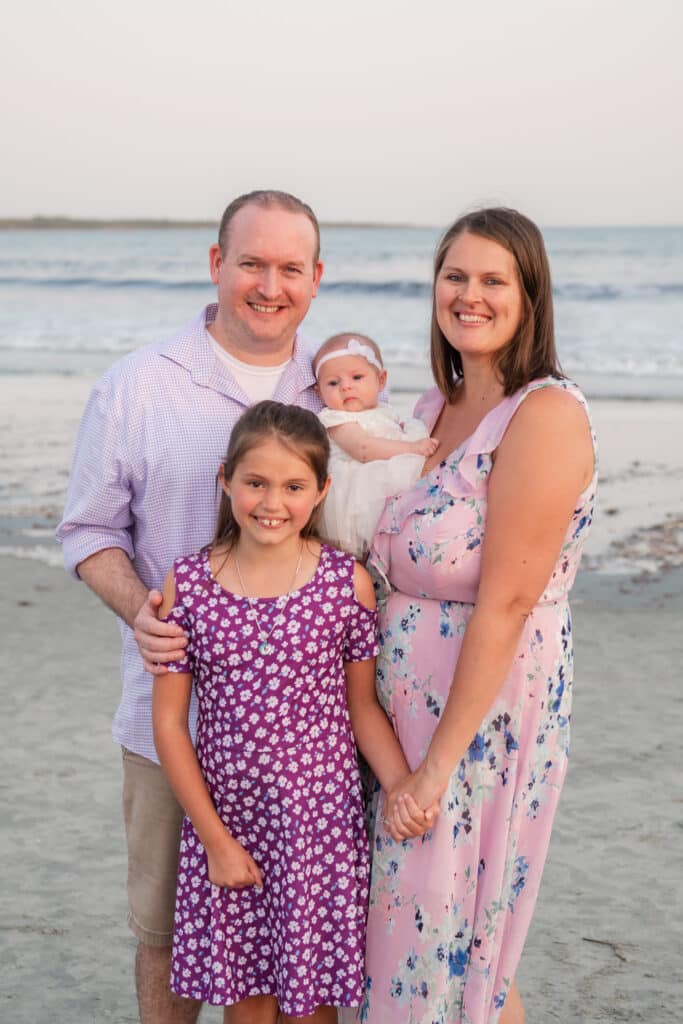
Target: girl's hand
{"type": "Point", "coordinates": [414, 804]}
{"type": "Point", "coordinates": [425, 446]}
{"type": "Point", "coordinates": [231, 867]}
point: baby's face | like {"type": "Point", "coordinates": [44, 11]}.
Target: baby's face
{"type": "Point", "coordinates": [350, 384]}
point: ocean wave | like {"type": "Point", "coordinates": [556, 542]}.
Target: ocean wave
{"type": "Point", "coordinates": [397, 287]}
{"type": "Point", "coordinates": [405, 289]}
{"type": "Point", "coordinates": [106, 282]}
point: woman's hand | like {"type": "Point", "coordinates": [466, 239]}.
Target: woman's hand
{"type": "Point", "coordinates": [412, 806]}
{"type": "Point", "coordinates": [231, 867]}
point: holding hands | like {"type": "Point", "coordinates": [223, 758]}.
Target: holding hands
{"type": "Point", "coordinates": [412, 806]}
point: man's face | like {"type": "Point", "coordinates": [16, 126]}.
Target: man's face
{"type": "Point", "coordinates": [266, 280]}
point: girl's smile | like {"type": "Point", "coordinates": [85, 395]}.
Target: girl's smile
{"type": "Point", "coordinates": [273, 492]}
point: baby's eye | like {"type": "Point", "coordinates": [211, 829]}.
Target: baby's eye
{"type": "Point", "coordinates": [358, 376]}
{"type": "Point", "coordinates": [332, 383]}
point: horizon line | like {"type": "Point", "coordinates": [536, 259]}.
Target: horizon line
{"type": "Point", "coordinates": [60, 222]}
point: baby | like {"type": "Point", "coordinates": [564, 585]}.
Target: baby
{"type": "Point", "coordinates": [375, 453]}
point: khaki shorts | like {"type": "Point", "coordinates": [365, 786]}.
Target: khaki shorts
{"type": "Point", "coordinates": [153, 819]}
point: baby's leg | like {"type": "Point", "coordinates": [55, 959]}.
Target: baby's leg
{"type": "Point", "coordinates": [254, 1010]}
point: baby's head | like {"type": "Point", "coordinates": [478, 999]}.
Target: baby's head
{"type": "Point", "coordinates": [350, 372]}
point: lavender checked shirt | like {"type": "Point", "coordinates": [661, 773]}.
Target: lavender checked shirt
{"type": "Point", "coordinates": [143, 477]}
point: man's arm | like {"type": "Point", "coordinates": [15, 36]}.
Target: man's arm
{"type": "Point", "coordinates": [110, 574]}
{"type": "Point", "coordinates": [95, 532]}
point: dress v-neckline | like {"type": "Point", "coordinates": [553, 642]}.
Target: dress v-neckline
{"type": "Point", "coordinates": [446, 458]}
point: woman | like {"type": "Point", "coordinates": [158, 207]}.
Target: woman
{"type": "Point", "coordinates": [476, 561]}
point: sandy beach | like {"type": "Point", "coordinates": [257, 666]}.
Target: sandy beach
{"type": "Point", "coordinates": [607, 937]}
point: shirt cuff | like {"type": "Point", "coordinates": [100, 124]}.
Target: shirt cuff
{"type": "Point", "coordinates": [80, 542]}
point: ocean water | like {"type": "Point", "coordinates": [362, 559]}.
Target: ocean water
{"type": "Point", "coordinates": [73, 301]}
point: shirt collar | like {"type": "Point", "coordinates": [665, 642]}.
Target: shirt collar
{"type": "Point", "coordinates": [192, 349]}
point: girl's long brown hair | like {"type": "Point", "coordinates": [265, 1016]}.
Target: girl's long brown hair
{"type": "Point", "coordinates": [297, 429]}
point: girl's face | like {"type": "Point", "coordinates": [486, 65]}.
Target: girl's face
{"type": "Point", "coordinates": [350, 384]}
{"type": "Point", "coordinates": [272, 493]}
{"type": "Point", "coordinates": [478, 297]}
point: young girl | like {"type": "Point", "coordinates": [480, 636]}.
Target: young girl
{"type": "Point", "coordinates": [273, 870]}
{"type": "Point", "coordinates": [374, 452]}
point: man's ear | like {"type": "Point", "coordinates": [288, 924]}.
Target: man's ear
{"type": "Point", "coordinates": [317, 274]}
{"type": "Point", "coordinates": [215, 261]}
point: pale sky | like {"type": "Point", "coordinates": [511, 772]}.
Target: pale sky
{"type": "Point", "coordinates": [374, 110]}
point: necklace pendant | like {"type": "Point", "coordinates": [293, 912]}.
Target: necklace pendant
{"type": "Point", "coordinates": [264, 647]}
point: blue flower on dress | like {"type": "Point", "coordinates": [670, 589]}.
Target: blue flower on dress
{"type": "Point", "coordinates": [457, 963]}
{"type": "Point", "coordinates": [476, 748]}
{"type": "Point", "coordinates": [520, 871]}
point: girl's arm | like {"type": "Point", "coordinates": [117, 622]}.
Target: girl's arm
{"type": "Point", "coordinates": [543, 463]}
{"type": "Point", "coordinates": [372, 730]}
{"type": "Point", "coordinates": [357, 443]}
{"type": "Point", "coordinates": [229, 864]}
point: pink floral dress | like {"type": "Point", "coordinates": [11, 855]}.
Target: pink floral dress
{"type": "Point", "coordinates": [449, 913]}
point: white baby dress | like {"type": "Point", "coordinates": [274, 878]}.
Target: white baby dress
{"type": "Point", "coordinates": [359, 490]}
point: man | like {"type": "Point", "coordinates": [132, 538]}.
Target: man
{"type": "Point", "coordinates": [142, 492]}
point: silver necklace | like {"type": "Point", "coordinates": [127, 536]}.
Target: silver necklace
{"type": "Point", "coordinates": [263, 636]}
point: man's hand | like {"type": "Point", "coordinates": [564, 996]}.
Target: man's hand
{"type": "Point", "coordinates": [159, 642]}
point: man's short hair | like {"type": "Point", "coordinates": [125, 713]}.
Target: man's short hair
{"type": "Point", "coordinates": [266, 198]}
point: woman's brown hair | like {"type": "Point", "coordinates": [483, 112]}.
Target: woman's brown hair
{"type": "Point", "coordinates": [531, 352]}
{"type": "Point", "coordinates": [297, 429]}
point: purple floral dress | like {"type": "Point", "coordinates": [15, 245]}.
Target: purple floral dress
{"type": "Point", "coordinates": [449, 913]}
{"type": "Point", "coordinates": [276, 749]}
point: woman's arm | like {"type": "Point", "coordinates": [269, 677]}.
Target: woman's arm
{"type": "Point", "coordinates": [228, 862]}
{"type": "Point", "coordinates": [543, 463]}
{"type": "Point", "coordinates": [372, 730]}
{"type": "Point", "coordinates": [362, 447]}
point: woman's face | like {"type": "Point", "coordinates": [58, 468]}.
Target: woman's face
{"type": "Point", "coordinates": [478, 296]}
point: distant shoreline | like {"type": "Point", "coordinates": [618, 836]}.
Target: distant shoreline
{"type": "Point", "coordinates": [161, 224]}
{"type": "Point", "coordinates": [42, 223]}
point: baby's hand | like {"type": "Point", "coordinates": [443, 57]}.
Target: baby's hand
{"type": "Point", "coordinates": [425, 446]}
{"type": "Point", "coordinates": [231, 867]}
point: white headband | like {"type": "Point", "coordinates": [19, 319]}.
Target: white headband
{"type": "Point", "coordinates": [353, 347]}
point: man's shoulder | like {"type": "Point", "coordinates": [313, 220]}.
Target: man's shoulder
{"type": "Point", "coordinates": [148, 363]}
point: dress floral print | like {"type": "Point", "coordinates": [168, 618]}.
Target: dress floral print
{"type": "Point", "coordinates": [449, 912]}
{"type": "Point", "coordinates": [276, 749]}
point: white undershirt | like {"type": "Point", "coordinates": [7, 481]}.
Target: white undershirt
{"type": "Point", "coordinates": [257, 382]}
